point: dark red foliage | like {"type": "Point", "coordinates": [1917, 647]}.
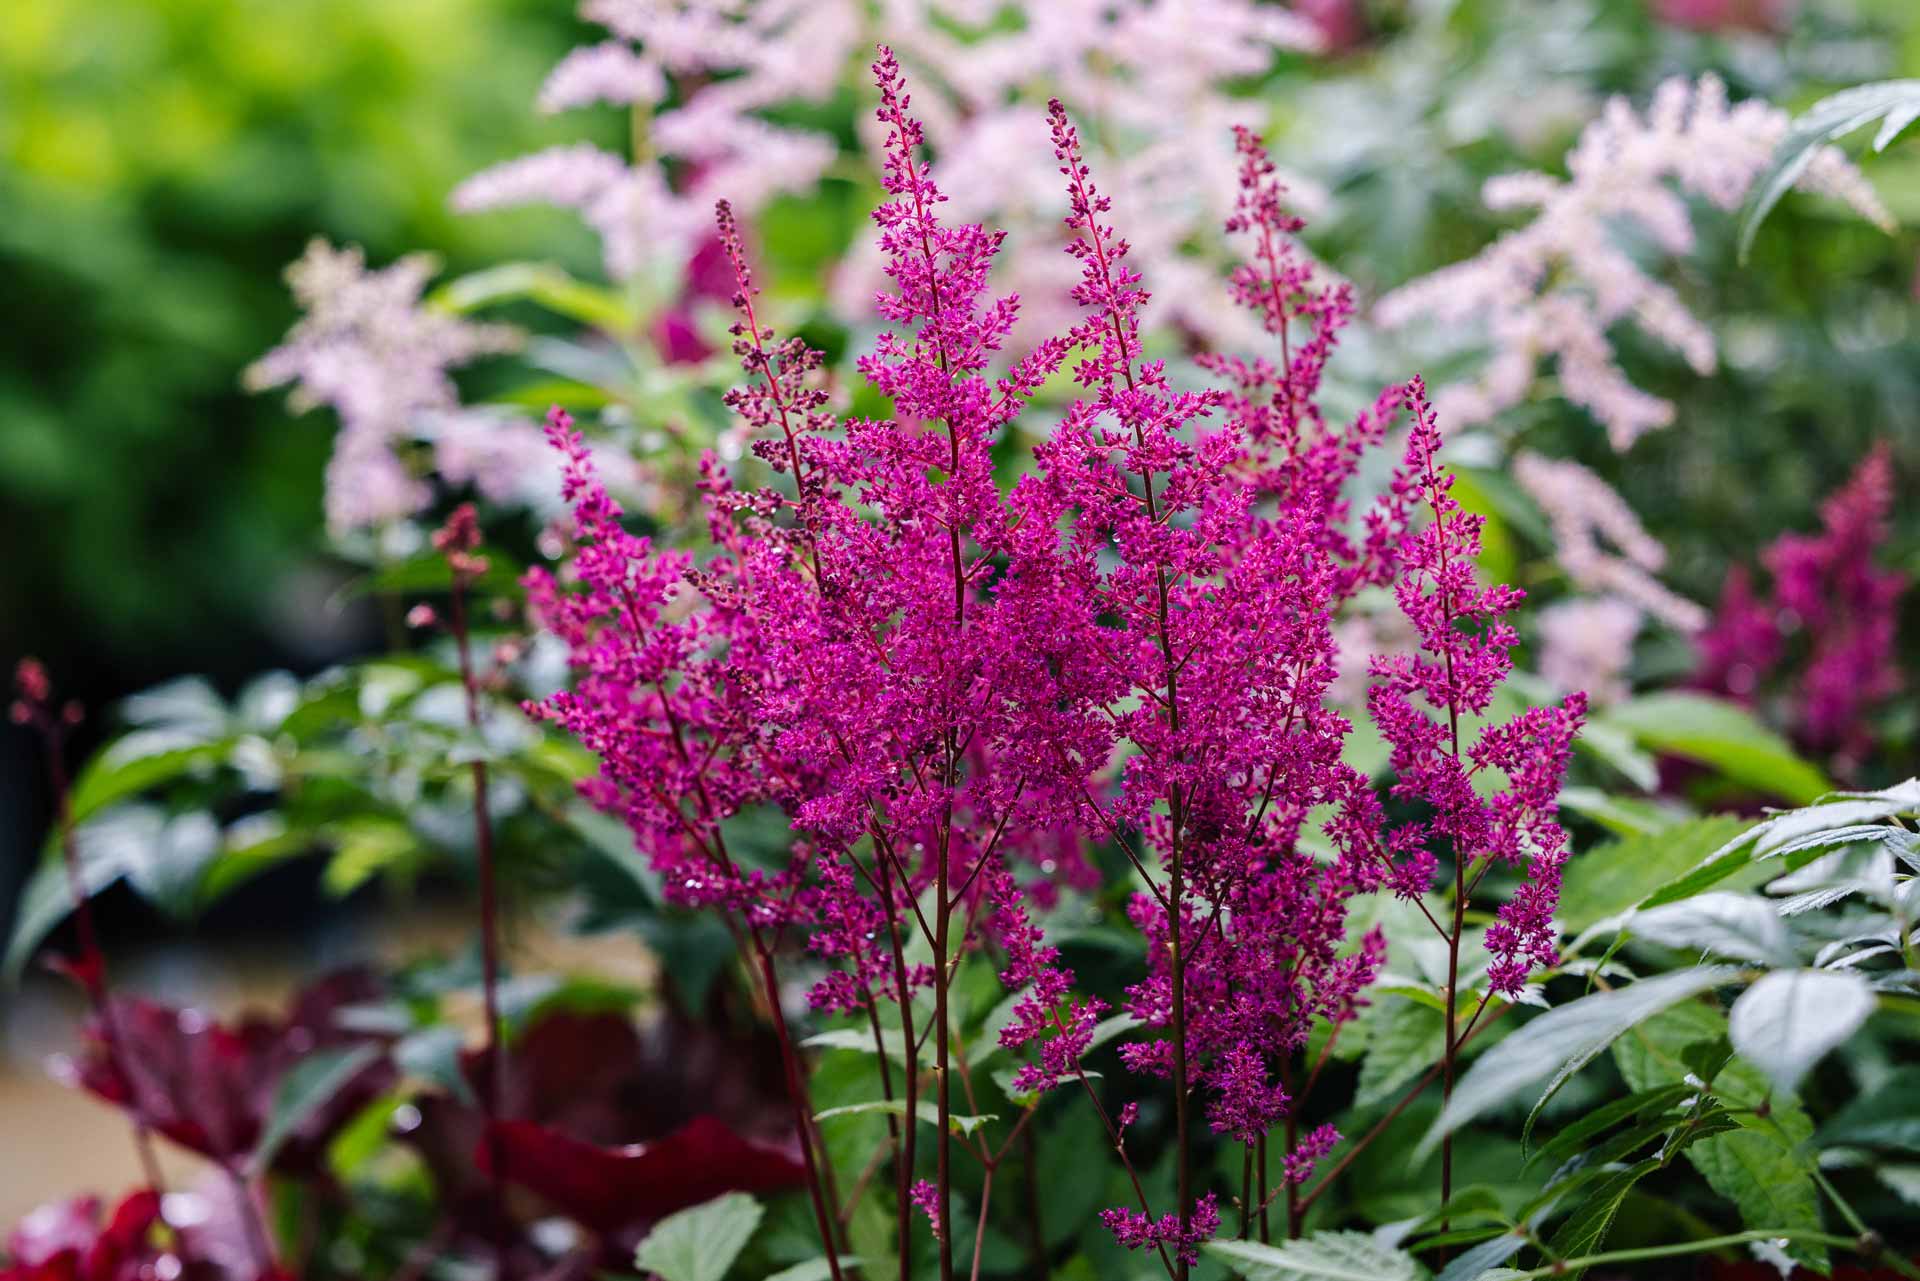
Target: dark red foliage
{"type": "Point", "coordinates": [210, 1086]}
{"type": "Point", "coordinates": [611, 1189]}
{"type": "Point", "coordinates": [67, 1241]}
{"type": "Point", "coordinates": [593, 1088]}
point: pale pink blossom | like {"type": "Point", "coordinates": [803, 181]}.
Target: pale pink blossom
{"type": "Point", "coordinates": [1555, 287]}
{"type": "Point", "coordinates": [369, 350]}
{"type": "Point", "coordinates": [1586, 643]}
{"type": "Point", "coordinates": [1600, 543]}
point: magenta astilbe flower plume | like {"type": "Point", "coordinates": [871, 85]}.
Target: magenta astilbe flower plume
{"type": "Point", "coordinates": [1827, 589]}
{"type": "Point", "coordinates": [1465, 653]}
{"type": "Point", "coordinates": [1742, 643]}
{"type": "Point", "coordinates": [1188, 610]}
{"type": "Point", "coordinates": [1832, 588]}
{"type": "Point", "coordinates": [941, 681]}
{"type": "Point", "coordinates": [1184, 1234]}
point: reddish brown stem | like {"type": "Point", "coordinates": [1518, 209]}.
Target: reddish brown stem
{"type": "Point", "coordinates": [493, 1054]}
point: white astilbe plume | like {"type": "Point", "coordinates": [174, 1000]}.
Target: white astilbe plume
{"type": "Point", "coordinates": [1586, 644]}
{"type": "Point", "coordinates": [731, 60]}
{"type": "Point", "coordinates": [368, 349]}
{"type": "Point", "coordinates": [1583, 510]}
{"type": "Point", "coordinates": [1553, 288]}
{"type": "Point", "coordinates": [1149, 84]}
{"type": "Point", "coordinates": [1148, 79]}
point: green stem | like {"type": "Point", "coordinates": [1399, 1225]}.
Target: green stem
{"type": "Point", "coordinates": [1686, 1247]}
{"type": "Point", "coordinates": [1859, 1225]}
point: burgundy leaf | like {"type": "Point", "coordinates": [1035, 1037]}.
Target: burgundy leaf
{"type": "Point", "coordinates": [210, 1087]}
{"type": "Point", "coordinates": [608, 1189]}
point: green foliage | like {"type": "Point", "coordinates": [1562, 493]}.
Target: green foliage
{"type": "Point", "coordinates": [1325, 1256]}
{"type": "Point", "coordinates": [700, 1244]}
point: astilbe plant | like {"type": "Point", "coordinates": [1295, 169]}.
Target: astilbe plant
{"type": "Point", "coordinates": [939, 678]}
{"type": "Point", "coordinates": [1832, 610]}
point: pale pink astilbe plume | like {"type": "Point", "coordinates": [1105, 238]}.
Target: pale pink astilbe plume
{"type": "Point", "coordinates": [720, 64]}
{"type": "Point", "coordinates": [1160, 84]}
{"type": "Point", "coordinates": [1586, 643]}
{"type": "Point", "coordinates": [610, 72]}
{"type": "Point", "coordinates": [1830, 618]}
{"type": "Point", "coordinates": [1162, 78]}
{"type": "Point", "coordinates": [1599, 542]}
{"type": "Point", "coordinates": [369, 350]}
{"type": "Point", "coordinates": [1552, 289]}
{"type": "Point", "coordinates": [1420, 701]}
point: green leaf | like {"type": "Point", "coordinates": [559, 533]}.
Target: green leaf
{"type": "Point", "coordinates": [927, 1112]}
{"type": "Point", "coordinates": [702, 1243]}
{"type": "Point", "coordinates": [137, 763]}
{"type": "Point", "coordinates": [1896, 102]}
{"type": "Point", "coordinates": [1738, 927]}
{"type": "Point", "coordinates": [1324, 1256]}
{"type": "Point", "coordinates": [251, 846]}
{"type": "Point", "coordinates": [1608, 879]}
{"type": "Point", "coordinates": [1404, 1039]}
{"type": "Point", "coordinates": [813, 1269]}
{"type": "Point", "coordinates": [1625, 816]}
{"type": "Point", "coordinates": [1586, 1228]}
{"type": "Point", "coordinates": [1109, 1028]}
{"type": "Point", "coordinates": [1723, 736]}
{"type": "Point", "coordinates": [161, 857]}
{"type": "Point", "coordinates": [1762, 1167]}
{"type": "Point", "coordinates": [1574, 1137]}
{"type": "Point", "coordinates": [1885, 1119]}
{"type": "Point", "coordinates": [1475, 1263]}
{"type": "Point", "coordinates": [45, 903]}
{"type": "Point", "coordinates": [433, 1054]}
{"type": "Point", "coordinates": [304, 1090]}
{"type": "Point", "coordinates": [860, 1041]}
{"type": "Point", "coordinates": [540, 283]}
{"type": "Point", "coordinates": [1790, 1019]}
{"type": "Point", "coordinates": [363, 847]}
{"type": "Point", "coordinates": [1562, 1041]}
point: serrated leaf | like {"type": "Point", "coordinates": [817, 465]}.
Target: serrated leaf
{"type": "Point", "coordinates": [702, 1243]}
{"type": "Point", "coordinates": [1586, 1228]}
{"type": "Point", "coordinates": [1762, 1166]}
{"type": "Point", "coordinates": [1404, 1040]}
{"type": "Point", "coordinates": [1790, 1019]}
{"type": "Point", "coordinates": [1737, 927]}
{"type": "Point", "coordinates": [1612, 878]}
{"type": "Point", "coordinates": [1574, 1137]}
{"type": "Point", "coordinates": [1562, 1041]}
{"type": "Point", "coordinates": [1324, 1256]}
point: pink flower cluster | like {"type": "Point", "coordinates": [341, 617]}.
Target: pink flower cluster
{"type": "Point", "coordinates": [1831, 605]}
{"type": "Point", "coordinates": [1465, 653]}
{"type": "Point", "coordinates": [939, 677]}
